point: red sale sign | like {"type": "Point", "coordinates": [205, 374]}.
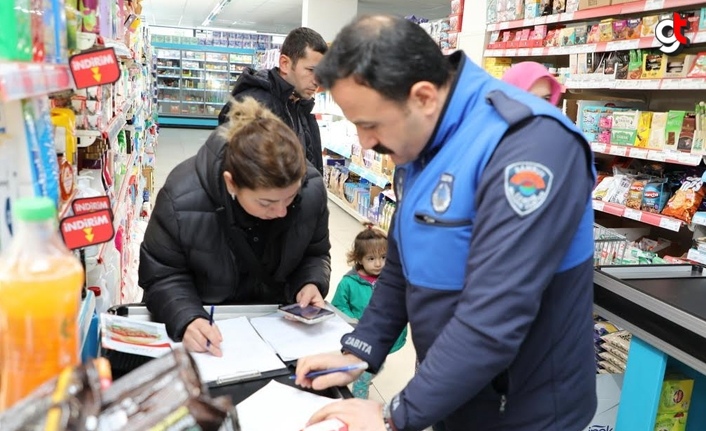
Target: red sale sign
{"type": "Point", "coordinates": [87, 205]}
{"type": "Point", "coordinates": [93, 68]}
{"type": "Point", "coordinates": [87, 229]}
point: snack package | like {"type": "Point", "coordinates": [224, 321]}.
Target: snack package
{"type": "Point", "coordinates": [69, 402]}
{"type": "Point", "coordinates": [619, 192]}
{"type": "Point", "coordinates": [601, 191]}
{"type": "Point", "coordinates": [634, 198]}
{"type": "Point", "coordinates": [676, 394]}
{"type": "Point", "coordinates": [686, 200]}
{"type": "Point", "coordinates": [655, 196]}
{"type": "Point", "coordinates": [620, 340]}
{"type": "Point", "coordinates": [673, 129]}
{"type": "Point", "coordinates": [657, 139]}
{"type": "Point", "coordinates": [609, 367]}
{"type": "Point", "coordinates": [620, 29]}
{"type": "Point", "coordinates": [634, 28]}
{"type": "Point", "coordinates": [615, 351]}
{"type": "Point", "coordinates": [686, 134]}
{"type": "Point", "coordinates": [644, 126]}
{"type": "Point", "coordinates": [604, 328]}
{"type": "Point", "coordinates": [614, 360]}
{"type": "Point", "coordinates": [648, 25]}
{"type": "Point", "coordinates": [635, 64]}
{"type": "Point", "coordinates": [671, 421]}
{"type": "Point", "coordinates": [698, 69]}
{"type": "Point", "coordinates": [165, 393]}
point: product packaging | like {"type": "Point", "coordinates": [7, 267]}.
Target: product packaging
{"type": "Point", "coordinates": [16, 35]}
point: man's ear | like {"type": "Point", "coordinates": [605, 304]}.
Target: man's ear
{"type": "Point", "coordinates": [285, 64]}
{"type": "Point", "coordinates": [424, 96]}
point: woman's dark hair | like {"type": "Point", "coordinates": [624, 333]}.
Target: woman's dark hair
{"type": "Point", "coordinates": [298, 40]}
{"type": "Point", "coordinates": [262, 152]}
{"type": "Point", "coordinates": [386, 53]}
{"type": "Point", "coordinates": [369, 241]}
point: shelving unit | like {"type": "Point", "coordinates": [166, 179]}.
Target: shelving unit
{"type": "Point", "coordinates": [194, 82]}
{"type": "Point", "coordinates": [619, 295]}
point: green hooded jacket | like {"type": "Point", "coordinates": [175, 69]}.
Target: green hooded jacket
{"type": "Point", "coordinates": [352, 297]}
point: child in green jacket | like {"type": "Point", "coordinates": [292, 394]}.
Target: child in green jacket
{"type": "Point", "coordinates": [356, 288]}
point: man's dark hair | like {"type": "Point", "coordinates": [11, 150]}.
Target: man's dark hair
{"type": "Point", "coordinates": [298, 40]}
{"type": "Point", "coordinates": [386, 53]}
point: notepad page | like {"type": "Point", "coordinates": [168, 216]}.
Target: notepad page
{"type": "Point", "coordinates": [243, 352]}
{"type": "Point", "coordinates": [293, 340]}
{"type": "Point", "coordinates": [293, 408]}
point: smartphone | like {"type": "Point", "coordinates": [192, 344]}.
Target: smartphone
{"type": "Point", "coordinates": [309, 314]}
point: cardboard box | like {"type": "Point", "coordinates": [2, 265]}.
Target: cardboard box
{"type": "Point", "coordinates": [608, 388]}
{"type": "Point", "coordinates": [590, 4]}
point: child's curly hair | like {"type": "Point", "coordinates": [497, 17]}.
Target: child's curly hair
{"type": "Point", "coordinates": [369, 241]}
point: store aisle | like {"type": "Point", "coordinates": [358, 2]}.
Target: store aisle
{"type": "Point", "coordinates": [176, 145]}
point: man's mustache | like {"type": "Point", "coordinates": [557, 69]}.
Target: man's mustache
{"type": "Point", "coordinates": [381, 149]}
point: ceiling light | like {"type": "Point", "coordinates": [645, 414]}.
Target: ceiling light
{"type": "Point", "coordinates": [216, 10]}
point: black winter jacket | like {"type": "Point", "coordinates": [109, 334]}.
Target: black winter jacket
{"type": "Point", "coordinates": [185, 259]}
{"type": "Point", "coordinates": [270, 89]}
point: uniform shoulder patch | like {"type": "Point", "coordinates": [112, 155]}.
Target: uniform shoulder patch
{"type": "Point", "coordinates": [527, 185]}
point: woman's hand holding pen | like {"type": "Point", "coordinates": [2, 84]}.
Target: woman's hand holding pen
{"type": "Point", "coordinates": [199, 333]}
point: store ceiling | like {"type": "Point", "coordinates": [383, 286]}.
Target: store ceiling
{"type": "Point", "coordinates": [272, 16]}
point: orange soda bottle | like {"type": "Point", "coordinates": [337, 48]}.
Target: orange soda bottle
{"type": "Point", "coordinates": [40, 295]}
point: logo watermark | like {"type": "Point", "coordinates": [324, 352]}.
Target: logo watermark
{"type": "Point", "coordinates": [671, 34]}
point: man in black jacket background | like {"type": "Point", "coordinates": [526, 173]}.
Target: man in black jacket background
{"type": "Point", "coordinates": [288, 90]}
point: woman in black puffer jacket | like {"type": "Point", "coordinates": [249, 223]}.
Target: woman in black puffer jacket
{"type": "Point", "coordinates": [245, 221]}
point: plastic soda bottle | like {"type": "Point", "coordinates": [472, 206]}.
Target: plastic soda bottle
{"type": "Point", "coordinates": [40, 295]}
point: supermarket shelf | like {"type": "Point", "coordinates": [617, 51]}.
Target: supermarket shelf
{"type": "Point", "coordinates": [636, 84]}
{"type": "Point", "coordinates": [171, 76]}
{"type": "Point", "coordinates": [347, 208]}
{"type": "Point", "coordinates": [390, 194]}
{"type": "Point", "coordinates": [121, 50]}
{"type": "Point", "coordinates": [23, 80]}
{"type": "Point", "coordinates": [699, 218]}
{"type": "Point", "coordinates": [616, 45]}
{"type": "Point", "coordinates": [375, 178]}
{"type": "Point", "coordinates": [200, 48]}
{"type": "Point", "coordinates": [120, 199]}
{"type": "Point", "coordinates": [168, 67]}
{"type": "Point", "coordinates": [87, 137]}
{"type": "Point", "coordinates": [653, 219]}
{"type": "Point", "coordinates": [168, 88]}
{"type": "Point", "coordinates": [192, 77]}
{"type": "Point", "coordinates": [675, 157]}
{"type": "Point", "coordinates": [635, 7]}
{"type": "Point", "coordinates": [339, 148]}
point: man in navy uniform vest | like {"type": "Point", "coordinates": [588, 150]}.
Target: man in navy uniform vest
{"type": "Point", "coordinates": [490, 257]}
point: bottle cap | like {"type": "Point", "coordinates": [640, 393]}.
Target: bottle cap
{"type": "Point", "coordinates": [34, 209]}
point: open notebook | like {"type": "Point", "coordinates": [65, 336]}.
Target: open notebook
{"type": "Point", "coordinates": [293, 340]}
{"type": "Point", "coordinates": [245, 355]}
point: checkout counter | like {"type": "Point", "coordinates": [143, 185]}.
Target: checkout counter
{"type": "Point", "coordinates": [664, 307]}
{"type": "Point", "coordinates": [122, 363]}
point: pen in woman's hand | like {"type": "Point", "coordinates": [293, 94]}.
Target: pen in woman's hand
{"type": "Point", "coordinates": [210, 323]}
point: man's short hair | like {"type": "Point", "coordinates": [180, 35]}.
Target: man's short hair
{"type": "Point", "coordinates": [298, 40]}
{"type": "Point", "coordinates": [386, 53]}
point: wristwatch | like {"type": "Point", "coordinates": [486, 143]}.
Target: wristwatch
{"type": "Point", "coordinates": [387, 418]}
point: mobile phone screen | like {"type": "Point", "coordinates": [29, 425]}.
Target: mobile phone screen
{"type": "Point", "coordinates": [309, 312]}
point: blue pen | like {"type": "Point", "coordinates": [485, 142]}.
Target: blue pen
{"type": "Point", "coordinates": [353, 367]}
{"type": "Point", "coordinates": [210, 322]}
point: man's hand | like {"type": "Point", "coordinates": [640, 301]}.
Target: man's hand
{"type": "Point", "coordinates": [199, 333]}
{"type": "Point", "coordinates": [322, 362]}
{"type": "Point", "coordinates": [359, 415]}
{"type": "Point", "coordinates": [309, 294]}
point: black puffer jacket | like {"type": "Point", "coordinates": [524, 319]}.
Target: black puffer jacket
{"type": "Point", "coordinates": [185, 260]}
{"type": "Point", "coordinates": [270, 89]}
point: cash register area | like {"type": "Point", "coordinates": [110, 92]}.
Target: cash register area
{"type": "Point", "coordinates": [176, 145]}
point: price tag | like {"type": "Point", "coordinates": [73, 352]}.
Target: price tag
{"type": "Point", "coordinates": [527, 22]}
{"type": "Point", "coordinates": [700, 37]}
{"type": "Point", "coordinates": [491, 27]}
{"type": "Point", "coordinates": [504, 25]}
{"type": "Point", "coordinates": [552, 19]}
{"type": "Point", "coordinates": [654, 5]}
{"type": "Point", "coordinates": [568, 16]}
{"type": "Point", "coordinates": [599, 147]}
{"type": "Point", "coordinates": [671, 84]}
{"type": "Point", "coordinates": [598, 205]}
{"type": "Point", "coordinates": [537, 51]}
{"type": "Point", "coordinates": [523, 52]}
{"type": "Point", "coordinates": [612, 46]}
{"type": "Point", "coordinates": [617, 150]}
{"type": "Point", "coordinates": [692, 84]}
{"type": "Point", "coordinates": [512, 52]}
{"type": "Point", "coordinates": [638, 153]}
{"type": "Point", "coordinates": [633, 214]}
{"type": "Point", "coordinates": [540, 20]}
{"type": "Point", "coordinates": [670, 224]}
{"type": "Point", "coordinates": [648, 84]}
{"type": "Point", "coordinates": [627, 84]}
{"type": "Point", "coordinates": [687, 159]}
{"type": "Point", "coordinates": [657, 156]}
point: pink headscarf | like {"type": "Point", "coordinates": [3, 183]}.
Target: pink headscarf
{"type": "Point", "coordinates": [523, 75]}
